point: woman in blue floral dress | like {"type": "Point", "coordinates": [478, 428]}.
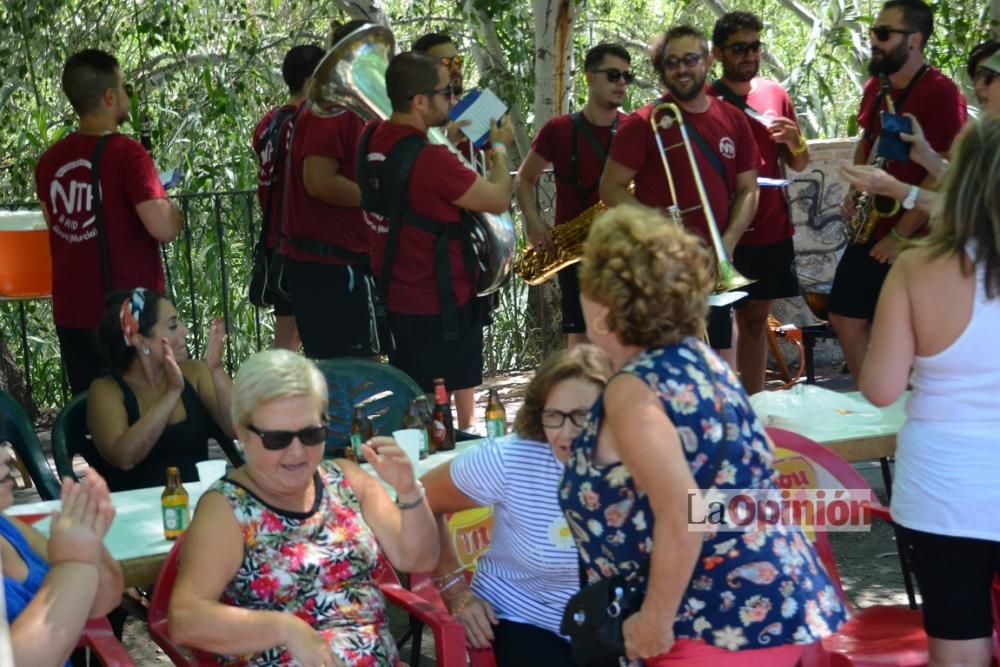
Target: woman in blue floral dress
{"type": "Point", "coordinates": [278, 566]}
{"type": "Point", "coordinates": [675, 419]}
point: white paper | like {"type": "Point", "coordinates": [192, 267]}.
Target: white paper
{"type": "Point", "coordinates": [485, 108]}
{"type": "Point", "coordinates": [764, 182]}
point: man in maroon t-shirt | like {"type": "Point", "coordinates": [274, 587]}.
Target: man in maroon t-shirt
{"type": "Point", "coordinates": [727, 157]}
{"type": "Point", "coordinates": [765, 251]}
{"type": "Point", "coordinates": [136, 212]}
{"type": "Point", "coordinates": [270, 141]}
{"type": "Point", "coordinates": [433, 310]}
{"type": "Point", "coordinates": [576, 145]}
{"type": "Point", "coordinates": [898, 38]}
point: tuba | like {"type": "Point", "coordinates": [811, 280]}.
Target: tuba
{"type": "Point", "coordinates": [727, 278]}
{"type": "Point", "coordinates": [352, 76]}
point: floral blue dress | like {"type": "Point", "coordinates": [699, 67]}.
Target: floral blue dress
{"type": "Point", "coordinates": [749, 589]}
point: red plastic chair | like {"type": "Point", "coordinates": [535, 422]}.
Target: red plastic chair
{"type": "Point", "coordinates": [100, 639]}
{"type": "Point", "coordinates": [449, 634]}
{"type": "Point", "coordinates": [422, 585]}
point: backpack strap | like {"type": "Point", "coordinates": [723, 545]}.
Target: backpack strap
{"type": "Point", "coordinates": [579, 125]}
{"type": "Point", "coordinates": [95, 187]}
{"type": "Point", "coordinates": [275, 130]}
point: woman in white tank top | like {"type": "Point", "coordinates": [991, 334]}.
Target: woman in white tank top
{"type": "Point", "coordinates": [939, 315]}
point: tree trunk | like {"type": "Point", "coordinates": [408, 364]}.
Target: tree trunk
{"type": "Point", "coordinates": [995, 17]}
{"type": "Point", "coordinates": [12, 381]}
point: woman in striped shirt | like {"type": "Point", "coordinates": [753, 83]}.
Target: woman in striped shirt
{"type": "Point", "coordinates": [522, 583]}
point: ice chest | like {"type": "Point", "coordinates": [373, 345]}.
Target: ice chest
{"type": "Point", "coordinates": [25, 262]}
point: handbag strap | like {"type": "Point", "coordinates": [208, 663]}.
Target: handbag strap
{"type": "Point", "coordinates": [95, 187]}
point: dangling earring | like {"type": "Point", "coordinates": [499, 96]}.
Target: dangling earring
{"type": "Point", "coordinates": [145, 350]}
{"type": "Point", "coordinates": [603, 332]}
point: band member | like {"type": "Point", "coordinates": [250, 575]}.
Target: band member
{"type": "Point", "coordinates": [137, 216]}
{"type": "Point", "coordinates": [724, 149]}
{"type": "Point", "coordinates": [439, 45]}
{"type": "Point", "coordinates": [326, 240]}
{"type": "Point", "coordinates": [898, 38]}
{"type": "Point", "coordinates": [415, 196]}
{"type": "Point", "coordinates": [765, 251]}
{"type": "Point", "coordinates": [270, 139]}
{"type": "Point", "coordinates": [577, 146]}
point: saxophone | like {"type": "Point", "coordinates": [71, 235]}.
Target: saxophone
{"type": "Point", "coordinates": [870, 208]}
{"type": "Point", "coordinates": [535, 266]}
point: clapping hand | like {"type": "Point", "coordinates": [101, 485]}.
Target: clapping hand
{"type": "Point", "coordinates": [216, 343]}
{"type": "Point", "coordinates": [391, 463]}
{"type": "Point", "coordinates": [78, 528]}
{"type": "Point", "coordinates": [175, 378]}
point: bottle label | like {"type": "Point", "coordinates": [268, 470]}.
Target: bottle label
{"type": "Point", "coordinates": [356, 445]}
{"type": "Point", "coordinates": [440, 432]}
{"type": "Point", "coordinates": [174, 518]}
{"type": "Point", "coordinates": [496, 427]}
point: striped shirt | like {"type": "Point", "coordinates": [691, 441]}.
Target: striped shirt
{"type": "Point", "coordinates": [531, 568]}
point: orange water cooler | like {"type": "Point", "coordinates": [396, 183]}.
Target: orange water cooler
{"type": "Point", "coordinates": [25, 263]}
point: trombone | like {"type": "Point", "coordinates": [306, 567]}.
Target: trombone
{"type": "Point", "coordinates": [727, 278]}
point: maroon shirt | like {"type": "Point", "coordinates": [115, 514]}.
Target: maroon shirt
{"type": "Point", "coordinates": [724, 129]}
{"type": "Point", "coordinates": [63, 184]}
{"type": "Point", "coordinates": [437, 179]}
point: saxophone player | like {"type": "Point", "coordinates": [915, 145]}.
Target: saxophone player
{"type": "Point", "coordinates": [898, 38]}
{"type": "Point", "coordinates": [576, 145]}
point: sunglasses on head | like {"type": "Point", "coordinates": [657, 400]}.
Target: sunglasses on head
{"type": "Point", "coordinates": [884, 32]}
{"type": "Point", "coordinates": [454, 60]}
{"type": "Point", "coordinates": [688, 60]}
{"type": "Point", "coordinates": [742, 48]}
{"type": "Point", "coordinates": [277, 440]}
{"type": "Point", "coordinates": [615, 75]}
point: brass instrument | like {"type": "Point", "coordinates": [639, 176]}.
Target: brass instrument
{"type": "Point", "coordinates": [869, 208]}
{"type": "Point", "coordinates": [535, 266]}
{"type": "Point", "coordinates": [727, 278]}
{"type": "Point", "coordinates": [352, 75]}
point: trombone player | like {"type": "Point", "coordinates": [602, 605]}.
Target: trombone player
{"type": "Point", "coordinates": [725, 153]}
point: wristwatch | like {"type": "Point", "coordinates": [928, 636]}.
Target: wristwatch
{"type": "Point", "coordinates": [911, 197]}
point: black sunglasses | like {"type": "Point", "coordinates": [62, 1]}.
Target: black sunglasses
{"type": "Point", "coordinates": [615, 75]}
{"type": "Point", "coordinates": [277, 440]}
{"type": "Point", "coordinates": [447, 91]}
{"type": "Point", "coordinates": [688, 60]}
{"type": "Point", "coordinates": [883, 32]}
{"type": "Point", "coordinates": [556, 418]}
{"type": "Point", "coordinates": [742, 48]}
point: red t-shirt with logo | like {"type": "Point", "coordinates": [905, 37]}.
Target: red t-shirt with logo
{"type": "Point", "coordinates": [725, 130]}
{"type": "Point", "coordinates": [63, 184]}
{"type": "Point", "coordinates": [939, 106]}
{"type": "Point", "coordinates": [553, 144]}
{"type": "Point", "coordinates": [307, 217]}
{"type": "Point", "coordinates": [269, 173]}
{"type": "Point", "coordinates": [437, 179]}
{"type": "Point", "coordinates": [771, 223]}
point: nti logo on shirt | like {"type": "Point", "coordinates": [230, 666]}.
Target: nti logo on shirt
{"type": "Point", "coordinates": [71, 202]}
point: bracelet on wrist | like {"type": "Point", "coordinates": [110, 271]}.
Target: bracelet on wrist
{"type": "Point", "coordinates": [451, 583]}
{"type": "Point", "coordinates": [801, 148]}
{"type": "Point", "coordinates": [413, 503]}
{"type": "Point", "coordinates": [447, 576]}
{"type": "Point", "coordinates": [894, 234]}
{"type": "Point", "coordinates": [499, 147]}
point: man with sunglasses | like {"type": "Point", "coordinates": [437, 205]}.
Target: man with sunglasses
{"type": "Point", "coordinates": [898, 39]}
{"type": "Point", "coordinates": [439, 45]}
{"type": "Point", "coordinates": [415, 197]}
{"type": "Point", "coordinates": [722, 142]}
{"type": "Point", "coordinates": [576, 145]}
{"type": "Point", "coordinates": [136, 215]}
{"type": "Point", "coordinates": [765, 251]}
{"type": "Point", "coordinates": [326, 242]}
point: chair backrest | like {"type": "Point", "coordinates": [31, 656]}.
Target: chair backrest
{"type": "Point", "coordinates": [803, 463]}
{"type": "Point", "coordinates": [16, 428]}
{"type": "Point", "coordinates": [100, 638]}
{"type": "Point", "coordinates": [385, 392]}
{"type": "Point", "coordinates": [70, 436]}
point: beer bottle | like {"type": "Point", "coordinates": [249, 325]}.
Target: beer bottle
{"type": "Point", "coordinates": [174, 502]}
{"type": "Point", "coordinates": [413, 419]}
{"type": "Point", "coordinates": [444, 429]}
{"type": "Point", "coordinates": [423, 409]}
{"type": "Point", "coordinates": [496, 416]}
{"type": "Point", "coordinates": [360, 433]}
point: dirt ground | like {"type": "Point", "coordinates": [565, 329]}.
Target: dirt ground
{"type": "Point", "coordinates": [867, 561]}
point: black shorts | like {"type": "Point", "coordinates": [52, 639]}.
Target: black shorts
{"type": "Point", "coordinates": [772, 265]}
{"type": "Point", "coordinates": [281, 304]}
{"type": "Point", "coordinates": [332, 319]}
{"type": "Point", "coordinates": [81, 357]}
{"type": "Point", "coordinates": [955, 577]}
{"type": "Point", "coordinates": [857, 283]}
{"type": "Point", "coordinates": [720, 327]}
{"type": "Point", "coordinates": [572, 312]}
{"type": "Point", "coordinates": [423, 353]}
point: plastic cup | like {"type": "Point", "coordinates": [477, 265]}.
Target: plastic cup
{"type": "Point", "coordinates": [410, 440]}
{"type": "Point", "coordinates": [210, 471]}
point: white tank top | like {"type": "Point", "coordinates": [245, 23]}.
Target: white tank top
{"type": "Point", "coordinates": [948, 452]}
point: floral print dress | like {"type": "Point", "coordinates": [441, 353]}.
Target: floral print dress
{"type": "Point", "coordinates": [317, 565]}
{"type": "Point", "coordinates": [749, 590]}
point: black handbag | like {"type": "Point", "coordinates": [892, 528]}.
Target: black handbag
{"type": "Point", "coordinates": [593, 619]}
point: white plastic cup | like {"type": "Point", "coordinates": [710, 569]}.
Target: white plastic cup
{"type": "Point", "coordinates": [210, 471]}
{"type": "Point", "coordinates": [410, 440]}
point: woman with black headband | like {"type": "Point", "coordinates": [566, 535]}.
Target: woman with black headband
{"type": "Point", "coordinates": [158, 407]}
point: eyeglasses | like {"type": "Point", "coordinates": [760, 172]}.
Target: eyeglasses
{"type": "Point", "coordinates": [742, 48]}
{"type": "Point", "coordinates": [277, 440]}
{"type": "Point", "coordinates": [883, 32]}
{"type": "Point", "coordinates": [454, 60]}
{"type": "Point", "coordinates": [984, 74]}
{"type": "Point", "coordinates": [688, 60]}
{"type": "Point", "coordinates": [447, 91]}
{"type": "Point", "coordinates": [556, 418]}
{"type": "Point", "coordinates": [615, 75]}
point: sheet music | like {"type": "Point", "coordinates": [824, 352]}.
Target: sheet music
{"type": "Point", "coordinates": [485, 107]}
